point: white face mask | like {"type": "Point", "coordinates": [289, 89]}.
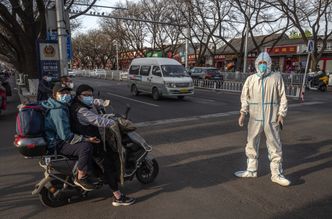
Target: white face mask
{"type": "Point", "coordinates": [70, 85]}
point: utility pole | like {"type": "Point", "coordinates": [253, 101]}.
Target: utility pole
{"type": "Point", "coordinates": [246, 45]}
{"type": "Point", "coordinates": [187, 47]}
{"type": "Point", "coordinates": [117, 55]}
{"type": "Point", "coordinates": [62, 36]}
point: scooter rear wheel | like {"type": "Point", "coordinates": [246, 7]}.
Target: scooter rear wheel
{"type": "Point", "coordinates": [47, 197]}
{"type": "Point", "coordinates": [148, 171]}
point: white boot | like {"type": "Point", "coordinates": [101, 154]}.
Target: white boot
{"type": "Point", "coordinates": [251, 171]}
{"type": "Point", "coordinates": [281, 180]}
{"type": "Point", "coordinates": [277, 174]}
{"type": "Point", "coordinates": [245, 174]}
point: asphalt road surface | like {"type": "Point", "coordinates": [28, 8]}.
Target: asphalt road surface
{"type": "Point", "coordinates": [199, 146]}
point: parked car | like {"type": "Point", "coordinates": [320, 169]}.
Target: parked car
{"type": "Point", "coordinates": [71, 73]}
{"type": "Point", "coordinates": [206, 73]}
{"type": "Point", "coordinates": [159, 77]}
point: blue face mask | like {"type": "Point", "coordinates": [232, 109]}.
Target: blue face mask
{"type": "Point", "coordinates": [262, 67]}
{"type": "Point", "coordinates": [66, 98]}
{"type": "Point", "coordinates": [87, 100]}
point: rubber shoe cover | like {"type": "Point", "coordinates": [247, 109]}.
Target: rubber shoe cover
{"type": "Point", "coordinates": [281, 180]}
{"type": "Point", "coordinates": [245, 174]}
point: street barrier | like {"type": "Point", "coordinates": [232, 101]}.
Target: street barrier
{"type": "Point", "coordinates": [103, 74]}
{"type": "Point", "coordinates": [235, 86]}
{"type": "Point", "coordinates": [289, 78]}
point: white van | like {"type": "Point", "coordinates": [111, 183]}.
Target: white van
{"type": "Point", "coordinates": [160, 77]}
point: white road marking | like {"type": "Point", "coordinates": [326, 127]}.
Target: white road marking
{"type": "Point", "coordinates": [185, 119]}
{"type": "Point", "coordinates": [306, 103]}
{"type": "Point", "coordinates": [207, 116]}
{"type": "Point", "coordinates": [127, 98]}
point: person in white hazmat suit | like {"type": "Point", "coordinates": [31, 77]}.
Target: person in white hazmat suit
{"type": "Point", "coordinates": [264, 99]}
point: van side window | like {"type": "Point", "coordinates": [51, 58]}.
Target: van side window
{"type": "Point", "coordinates": [145, 70]}
{"type": "Point", "coordinates": [156, 71]}
{"type": "Point", "coordinates": [134, 70]}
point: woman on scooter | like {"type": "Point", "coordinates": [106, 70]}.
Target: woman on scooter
{"type": "Point", "coordinates": [86, 122]}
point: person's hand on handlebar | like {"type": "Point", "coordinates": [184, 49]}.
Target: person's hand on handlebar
{"type": "Point", "coordinates": [93, 140]}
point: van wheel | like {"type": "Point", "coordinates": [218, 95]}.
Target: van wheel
{"type": "Point", "coordinates": [180, 97]}
{"type": "Point", "coordinates": [134, 90]}
{"type": "Point", "coordinates": [155, 94]}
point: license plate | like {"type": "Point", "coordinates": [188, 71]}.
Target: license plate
{"type": "Point", "coordinates": [184, 90]}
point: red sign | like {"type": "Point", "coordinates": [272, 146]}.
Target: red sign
{"type": "Point", "coordinates": [219, 57]}
{"type": "Point", "coordinates": [282, 50]}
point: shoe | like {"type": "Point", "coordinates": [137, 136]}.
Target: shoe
{"type": "Point", "coordinates": [245, 174]}
{"type": "Point", "coordinates": [85, 183]}
{"type": "Point", "coordinates": [123, 201]}
{"type": "Point", "coordinates": [281, 180]}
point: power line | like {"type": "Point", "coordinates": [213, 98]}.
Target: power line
{"type": "Point", "coordinates": [104, 15]}
{"type": "Point", "coordinates": [101, 6]}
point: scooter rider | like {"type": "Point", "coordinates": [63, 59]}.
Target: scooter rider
{"type": "Point", "coordinates": [264, 99]}
{"type": "Point", "coordinates": [86, 122]}
{"type": "Point", "coordinates": [60, 137]}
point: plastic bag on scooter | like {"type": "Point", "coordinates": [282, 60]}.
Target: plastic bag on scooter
{"type": "Point", "coordinates": [126, 125]}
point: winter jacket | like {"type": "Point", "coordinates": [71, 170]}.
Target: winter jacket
{"type": "Point", "coordinates": [57, 124]}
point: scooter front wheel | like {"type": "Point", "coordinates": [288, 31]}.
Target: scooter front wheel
{"type": "Point", "coordinates": [48, 196]}
{"type": "Point", "coordinates": [148, 171]}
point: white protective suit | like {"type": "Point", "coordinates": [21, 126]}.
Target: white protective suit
{"type": "Point", "coordinates": [263, 98]}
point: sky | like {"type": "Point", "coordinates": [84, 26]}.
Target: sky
{"type": "Point", "coordinates": [90, 22]}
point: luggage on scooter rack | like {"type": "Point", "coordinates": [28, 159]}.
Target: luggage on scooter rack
{"type": "Point", "coordinates": [30, 147]}
{"type": "Point", "coordinates": [30, 130]}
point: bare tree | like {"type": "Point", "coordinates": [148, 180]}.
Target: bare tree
{"type": "Point", "coordinates": [22, 24]}
{"type": "Point", "coordinates": [163, 37]}
{"type": "Point", "coordinates": [315, 15]}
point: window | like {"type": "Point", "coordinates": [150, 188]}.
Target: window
{"type": "Point", "coordinates": [173, 70]}
{"type": "Point", "coordinates": [145, 70]}
{"type": "Point", "coordinates": [156, 71]}
{"type": "Point", "coordinates": [134, 70]}
{"type": "Point", "coordinates": [329, 46]}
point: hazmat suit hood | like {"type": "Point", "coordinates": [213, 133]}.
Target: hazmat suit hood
{"type": "Point", "coordinates": [263, 56]}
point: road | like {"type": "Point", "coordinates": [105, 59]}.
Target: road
{"type": "Point", "coordinates": [198, 145]}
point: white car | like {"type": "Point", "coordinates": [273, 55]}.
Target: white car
{"type": "Point", "coordinates": [71, 73]}
{"type": "Point", "coordinates": [159, 77]}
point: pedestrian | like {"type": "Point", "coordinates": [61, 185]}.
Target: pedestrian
{"type": "Point", "coordinates": [66, 82]}
{"type": "Point", "coordinates": [264, 99]}
{"type": "Point", "coordinates": [44, 88]}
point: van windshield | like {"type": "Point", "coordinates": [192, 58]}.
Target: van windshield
{"type": "Point", "coordinates": [173, 71]}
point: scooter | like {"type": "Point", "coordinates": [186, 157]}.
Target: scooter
{"type": "Point", "coordinates": [317, 81]}
{"type": "Point", "coordinates": [57, 188]}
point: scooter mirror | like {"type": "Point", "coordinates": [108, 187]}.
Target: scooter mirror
{"type": "Point", "coordinates": [127, 111]}
{"type": "Point", "coordinates": [106, 103]}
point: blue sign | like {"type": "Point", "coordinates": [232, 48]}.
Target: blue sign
{"type": "Point", "coordinates": [50, 68]}
{"type": "Point", "coordinates": [48, 59]}
{"type": "Point", "coordinates": [310, 46]}
{"type": "Point", "coordinates": [54, 36]}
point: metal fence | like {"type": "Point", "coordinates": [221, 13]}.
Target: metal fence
{"type": "Point", "coordinates": [236, 86]}
{"type": "Point", "coordinates": [289, 79]}
{"type": "Point", "coordinates": [103, 74]}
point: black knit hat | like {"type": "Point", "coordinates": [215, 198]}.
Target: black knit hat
{"type": "Point", "coordinates": [83, 87]}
